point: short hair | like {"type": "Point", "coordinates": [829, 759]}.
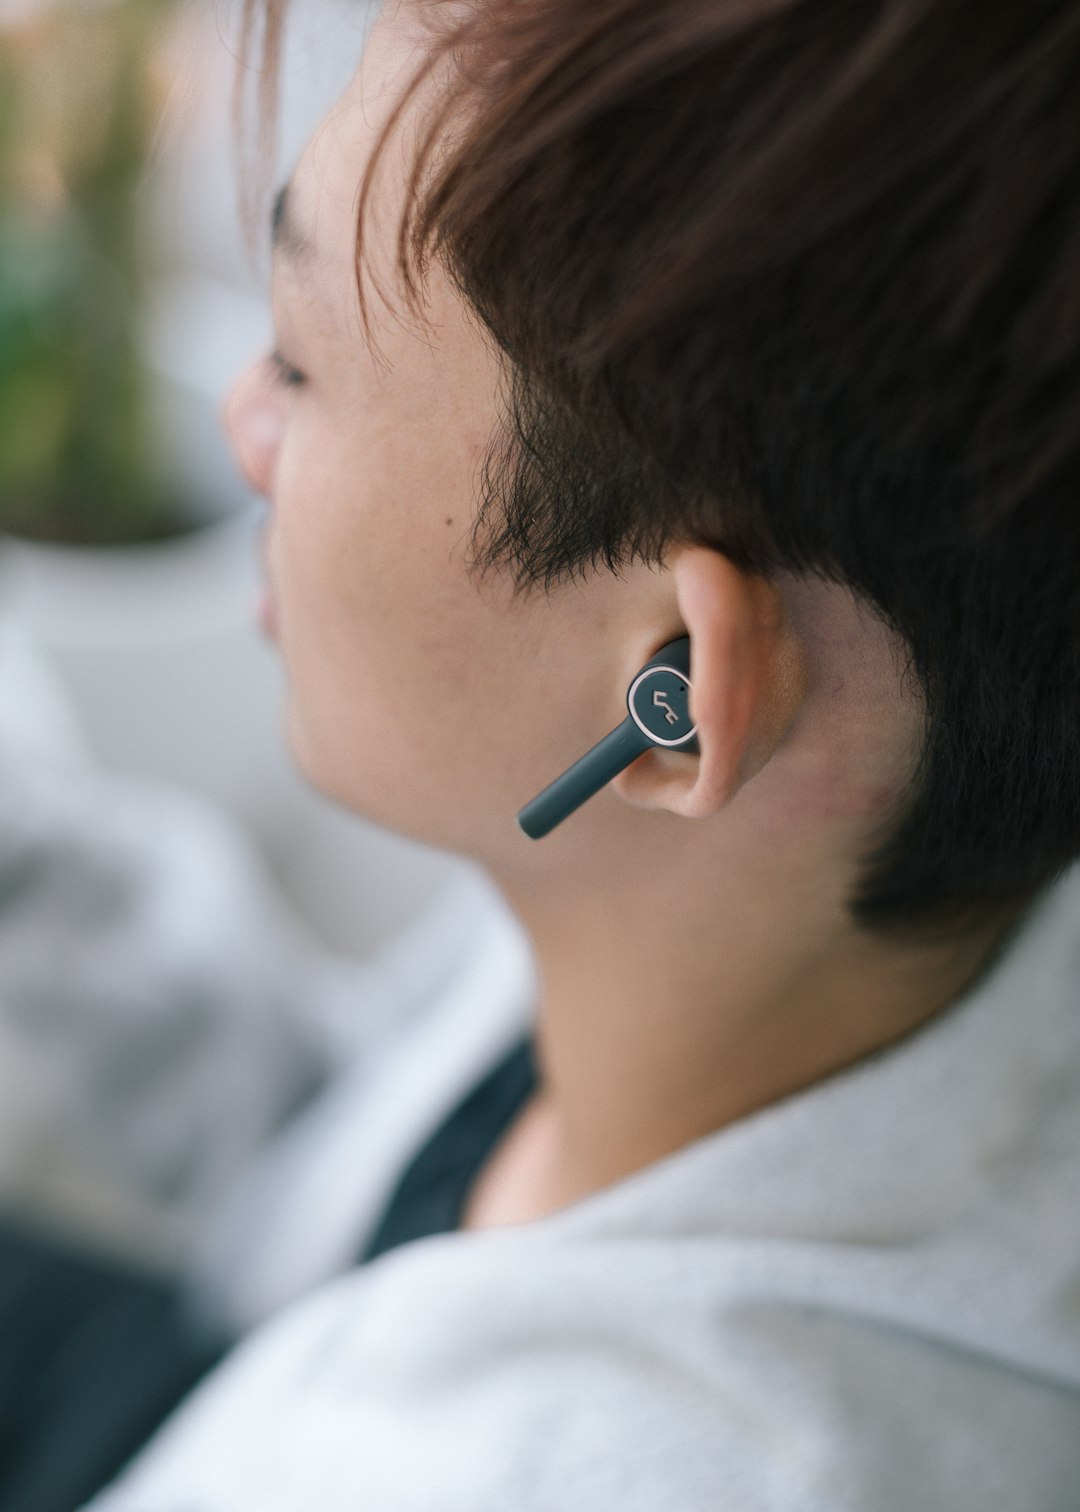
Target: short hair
{"type": "Point", "coordinates": [799, 280]}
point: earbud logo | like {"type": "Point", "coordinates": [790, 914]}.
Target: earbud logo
{"type": "Point", "coordinates": [660, 701]}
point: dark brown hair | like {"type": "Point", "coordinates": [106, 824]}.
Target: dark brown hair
{"type": "Point", "coordinates": [799, 279]}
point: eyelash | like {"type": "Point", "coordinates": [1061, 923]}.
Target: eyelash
{"type": "Point", "coordinates": [284, 372]}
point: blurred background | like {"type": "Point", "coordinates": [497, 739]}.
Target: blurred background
{"type": "Point", "coordinates": [128, 542]}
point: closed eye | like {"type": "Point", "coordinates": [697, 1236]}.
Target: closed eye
{"type": "Point", "coordinates": [284, 372]}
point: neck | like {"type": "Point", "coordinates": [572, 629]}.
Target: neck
{"type": "Point", "coordinates": [678, 995]}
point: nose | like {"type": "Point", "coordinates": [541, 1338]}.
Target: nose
{"type": "Point", "coordinates": [253, 420]}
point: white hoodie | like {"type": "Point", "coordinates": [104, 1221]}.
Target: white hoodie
{"type": "Point", "coordinates": [866, 1296]}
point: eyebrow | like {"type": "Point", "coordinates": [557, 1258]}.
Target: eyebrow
{"type": "Point", "coordinates": [294, 242]}
{"type": "Point", "coordinates": [285, 235]}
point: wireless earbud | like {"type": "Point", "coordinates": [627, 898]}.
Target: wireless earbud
{"type": "Point", "coordinates": [658, 701]}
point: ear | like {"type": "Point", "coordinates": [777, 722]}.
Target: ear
{"type": "Point", "coordinates": [748, 679]}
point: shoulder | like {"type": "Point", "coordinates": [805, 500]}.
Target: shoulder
{"type": "Point", "coordinates": [481, 1372]}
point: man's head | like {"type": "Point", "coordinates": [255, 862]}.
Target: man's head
{"type": "Point", "coordinates": [749, 322]}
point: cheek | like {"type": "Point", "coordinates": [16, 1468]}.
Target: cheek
{"type": "Point", "coordinates": [352, 560]}
{"type": "Point", "coordinates": [402, 670]}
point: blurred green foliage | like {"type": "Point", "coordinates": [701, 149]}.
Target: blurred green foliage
{"type": "Point", "coordinates": [79, 459]}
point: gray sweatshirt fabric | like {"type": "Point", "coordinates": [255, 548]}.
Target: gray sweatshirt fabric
{"type": "Point", "coordinates": [864, 1298]}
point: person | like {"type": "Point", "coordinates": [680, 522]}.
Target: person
{"type": "Point", "coordinates": [736, 1163]}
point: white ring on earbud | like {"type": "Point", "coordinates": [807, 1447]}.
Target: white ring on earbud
{"type": "Point", "coordinates": [642, 726]}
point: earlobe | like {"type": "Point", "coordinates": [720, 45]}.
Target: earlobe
{"type": "Point", "coordinates": [741, 660]}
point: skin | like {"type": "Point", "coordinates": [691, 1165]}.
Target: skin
{"type": "Point", "coordinates": [696, 960]}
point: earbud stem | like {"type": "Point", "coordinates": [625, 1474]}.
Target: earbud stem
{"type": "Point", "coordinates": [587, 776]}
